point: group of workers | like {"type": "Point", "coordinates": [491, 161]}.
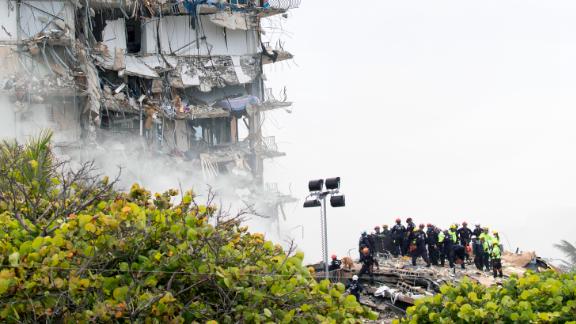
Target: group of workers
{"type": "Point", "coordinates": [458, 244]}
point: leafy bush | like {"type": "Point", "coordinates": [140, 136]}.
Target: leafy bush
{"type": "Point", "coordinates": [134, 256]}
{"type": "Point", "coordinates": [546, 297]}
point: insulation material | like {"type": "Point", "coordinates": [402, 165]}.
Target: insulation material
{"type": "Point", "coordinates": [8, 28]}
{"type": "Point", "coordinates": [39, 16]}
{"type": "Point", "coordinates": [177, 37]}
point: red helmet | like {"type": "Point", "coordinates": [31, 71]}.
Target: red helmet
{"type": "Point", "coordinates": [429, 225]}
{"type": "Point", "coordinates": [398, 220]}
{"type": "Point", "coordinates": [334, 257]}
{"type": "Point", "coordinates": [421, 225]}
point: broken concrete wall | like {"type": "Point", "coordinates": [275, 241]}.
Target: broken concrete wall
{"type": "Point", "coordinates": [178, 37]}
{"type": "Point", "coordinates": [8, 28]}
{"type": "Point", "coordinates": [38, 16]}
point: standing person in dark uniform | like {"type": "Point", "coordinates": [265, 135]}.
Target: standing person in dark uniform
{"type": "Point", "coordinates": [478, 253]}
{"type": "Point", "coordinates": [408, 236]}
{"type": "Point", "coordinates": [377, 240]}
{"type": "Point", "coordinates": [364, 242]}
{"type": "Point", "coordinates": [368, 262]}
{"type": "Point", "coordinates": [419, 241]}
{"type": "Point", "coordinates": [448, 249]}
{"type": "Point", "coordinates": [432, 241]}
{"type": "Point", "coordinates": [464, 235]}
{"type": "Point", "coordinates": [477, 230]}
{"type": "Point", "coordinates": [354, 287]}
{"type": "Point", "coordinates": [460, 253]}
{"type": "Point", "coordinates": [397, 233]}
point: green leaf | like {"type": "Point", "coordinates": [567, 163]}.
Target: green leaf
{"type": "Point", "coordinates": [120, 293]}
{"type": "Point", "coordinates": [14, 259]}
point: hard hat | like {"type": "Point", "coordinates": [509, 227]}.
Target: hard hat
{"type": "Point", "coordinates": [365, 250]}
{"type": "Point", "coordinates": [477, 224]}
{"type": "Point", "coordinates": [495, 232]}
{"type": "Point", "coordinates": [495, 243]}
{"type": "Point", "coordinates": [334, 257]}
{"type": "Point", "coordinates": [415, 229]}
{"type": "Point", "coordinates": [384, 226]}
{"type": "Point", "coordinates": [355, 277]}
{"type": "Point", "coordinates": [398, 220]}
{"type": "Point", "coordinates": [409, 219]}
{"type": "Point", "coordinates": [421, 226]}
{"type": "Point", "coordinates": [429, 225]}
{"type": "Point", "coordinates": [453, 226]}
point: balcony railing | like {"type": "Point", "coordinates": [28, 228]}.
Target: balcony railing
{"type": "Point", "coordinates": [283, 4]}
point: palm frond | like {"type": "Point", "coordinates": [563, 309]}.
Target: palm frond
{"type": "Point", "coordinates": [568, 249]}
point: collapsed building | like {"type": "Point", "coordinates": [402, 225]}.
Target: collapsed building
{"type": "Point", "coordinates": [180, 80]}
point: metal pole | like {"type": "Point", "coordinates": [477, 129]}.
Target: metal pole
{"type": "Point", "coordinates": [325, 238]}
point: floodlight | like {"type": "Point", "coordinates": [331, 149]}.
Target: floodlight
{"type": "Point", "coordinates": [315, 185]}
{"type": "Point", "coordinates": [312, 203]}
{"type": "Point", "coordinates": [333, 183]}
{"type": "Point", "coordinates": [337, 201]}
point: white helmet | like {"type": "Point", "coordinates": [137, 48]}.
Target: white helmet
{"type": "Point", "coordinates": [355, 278]}
{"type": "Point", "coordinates": [477, 224]}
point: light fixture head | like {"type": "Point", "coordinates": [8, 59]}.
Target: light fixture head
{"type": "Point", "coordinates": [337, 201]}
{"type": "Point", "coordinates": [309, 203]}
{"type": "Point", "coordinates": [333, 183]}
{"type": "Point", "coordinates": [315, 185]}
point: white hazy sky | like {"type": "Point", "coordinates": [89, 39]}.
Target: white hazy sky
{"type": "Point", "coordinates": [439, 110]}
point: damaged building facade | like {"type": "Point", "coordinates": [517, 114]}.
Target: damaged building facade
{"type": "Point", "coordinates": [181, 79]}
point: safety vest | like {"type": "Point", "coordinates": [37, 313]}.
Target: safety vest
{"type": "Point", "coordinates": [495, 254]}
{"type": "Point", "coordinates": [486, 246]}
{"type": "Point", "coordinates": [453, 235]}
{"type": "Point", "coordinates": [441, 237]}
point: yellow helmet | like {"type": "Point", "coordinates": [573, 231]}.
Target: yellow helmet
{"type": "Point", "coordinates": [495, 232]}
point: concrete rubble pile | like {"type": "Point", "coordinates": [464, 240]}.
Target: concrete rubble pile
{"type": "Point", "coordinates": [397, 284]}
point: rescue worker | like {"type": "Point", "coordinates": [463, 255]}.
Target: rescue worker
{"type": "Point", "coordinates": [451, 238]}
{"type": "Point", "coordinates": [460, 254]}
{"type": "Point", "coordinates": [441, 250]}
{"type": "Point", "coordinates": [354, 287]}
{"type": "Point", "coordinates": [419, 242]}
{"type": "Point", "coordinates": [408, 236]}
{"type": "Point", "coordinates": [385, 230]}
{"type": "Point", "coordinates": [335, 264]}
{"type": "Point", "coordinates": [496, 238]}
{"type": "Point", "coordinates": [377, 240]}
{"type": "Point", "coordinates": [464, 235]}
{"type": "Point", "coordinates": [368, 262]}
{"type": "Point", "coordinates": [432, 242]}
{"type": "Point", "coordinates": [485, 253]}
{"type": "Point", "coordinates": [477, 230]}
{"type": "Point", "coordinates": [364, 242]}
{"type": "Point", "coordinates": [478, 251]}
{"type": "Point", "coordinates": [496, 257]}
{"type": "Point", "coordinates": [397, 233]}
